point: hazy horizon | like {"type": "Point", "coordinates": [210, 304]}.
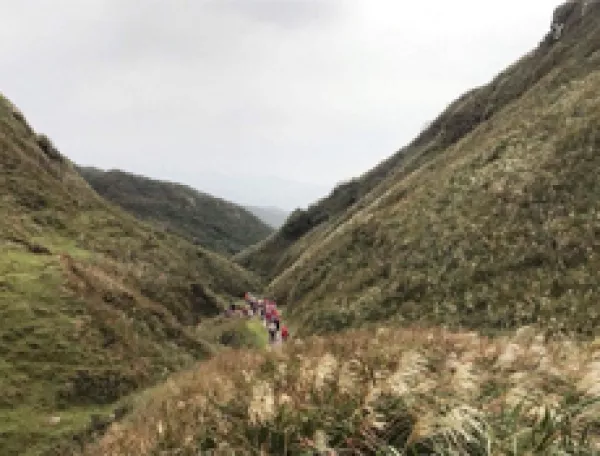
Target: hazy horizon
{"type": "Point", "coordinates": [260, 102]}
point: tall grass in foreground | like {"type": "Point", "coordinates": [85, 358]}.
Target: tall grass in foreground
{"type": "Point", "coordinates": [396, 392]}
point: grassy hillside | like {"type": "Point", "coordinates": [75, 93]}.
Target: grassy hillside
{"type": "Point", "coordinates": [211, 222]}
{"type": "Point", "coordinates": [496, 226]}
{"type": "Point", "coordinates": [393, 392]}
{"type": "Point", "coordinates": [489, 220]}
{"type": "Point", "coordinates": [93, 303]}
{"type": "Point", "coordinates": [477, 107]}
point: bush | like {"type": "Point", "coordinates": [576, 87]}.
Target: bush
{"type": "Point", "coordinates": [563, 12]}
{"type": "Point", "coordinates": [97, 387]}
{"type": "Point", "coordinates": [48, 148]}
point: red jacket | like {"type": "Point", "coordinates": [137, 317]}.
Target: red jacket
{"type": "Point", "coordinates": [284, 332]}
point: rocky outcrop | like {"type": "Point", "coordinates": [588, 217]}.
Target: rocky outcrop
{"type": "Point", "coordinates": [568, 14]}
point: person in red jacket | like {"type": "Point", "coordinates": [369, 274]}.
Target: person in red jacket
{"type": "Point", "coordinates": [269, 307]}
{"type": "Point", "coordinates": [284, 333]}
{"type": "Point", "coordinates": [272, 332]}
{"type": "Point", "coordinates": [268, 314]}
{"type": "Point", "coordinates": [274, 314]}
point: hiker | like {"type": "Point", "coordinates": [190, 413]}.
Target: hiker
{"type": "Point", "coordinates": [268, 312]}
{"type": "Point", "coordinates": [270, 307]}
{"type": "Point", "coordinates": [254, 306]}
{"type": "Point", "coordinates": [275, 318]}
{"type": "Point", "coordinates": [284, 333]}
{"type": "Point", "coordinates": [230, 312]}
{"type": "Point", "coordinates": [272, 332]}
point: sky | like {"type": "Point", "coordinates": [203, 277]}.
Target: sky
{"type": "Point", "coordinates": [263, 102]}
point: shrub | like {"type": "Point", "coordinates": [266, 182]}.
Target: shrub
{"type": "Point", "coordinates": [48, 147]}
{"type": "Point", "coordinates": [97, 387]}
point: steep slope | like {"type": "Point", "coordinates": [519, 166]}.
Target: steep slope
{"type": "Point", "coordinates": [93, 303]}
{"type": "Point", "coordinates": [272, 216]}
{"type": "Point", "coordinates": [211, 222]}
{"type": "Point", "coordinates": [474, 108]}
{"type": "Point", "coordinates": [490, 218]}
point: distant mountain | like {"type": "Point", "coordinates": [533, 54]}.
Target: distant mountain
{"type": "Point", "coordinates": [256, 191]}
{"type": "Point", "coordinates": [94, 303]}
{"type": "Point", "coordinates": [211, 222]}
{"type": "Point", "coordinates": [272, 216]}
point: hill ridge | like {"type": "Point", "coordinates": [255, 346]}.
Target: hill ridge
{"type": "Point", "coordinates": [471, 109]}
{"type": "Point", "coordinates": [387, 256]}
{"type": "Point", "coordinates": [203, 219]}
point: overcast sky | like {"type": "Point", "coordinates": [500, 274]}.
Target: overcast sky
{"type": "Point", "coordinates": [269, 102]}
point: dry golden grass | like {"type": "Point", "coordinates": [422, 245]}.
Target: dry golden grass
{"type": "Point", "coordinates": [412, 391]}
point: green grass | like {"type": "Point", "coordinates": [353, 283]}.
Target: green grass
{"type": "Point", "coordinates": [43, 348]}
{"type": "Point", "coordinates": [27, 431]}
{"type": "Point", "coordinates": [234, 332]}
{"type": "Point", "coordinates": [260, 333]}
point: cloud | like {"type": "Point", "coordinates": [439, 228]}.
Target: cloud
{"type": "Point", "coordinates": [284, 14]}
{"type": "Point", "coordinates": [313, 91]}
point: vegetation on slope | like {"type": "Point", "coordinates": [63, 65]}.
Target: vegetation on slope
{"type": "Point", "coordinates": [234, 332]}
{"type": "Point", "coordinates": [578, 44]}
{"type": "Point", "coordinates": [489, 220]}
{"type": "Point", "coordinates": [419, 392]}
{"type": "Point", "coordinates": [93, 303]}
{"type": "Point", "coordinates": [497, 230]}
{"type": "Point", "coordinates": [211, 222]}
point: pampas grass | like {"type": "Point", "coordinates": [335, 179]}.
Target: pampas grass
{"type": "Point", "coordinates": [406, 392]}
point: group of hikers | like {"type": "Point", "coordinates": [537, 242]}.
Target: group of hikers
{"type": "Point", "coordinates": [267, 311]}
